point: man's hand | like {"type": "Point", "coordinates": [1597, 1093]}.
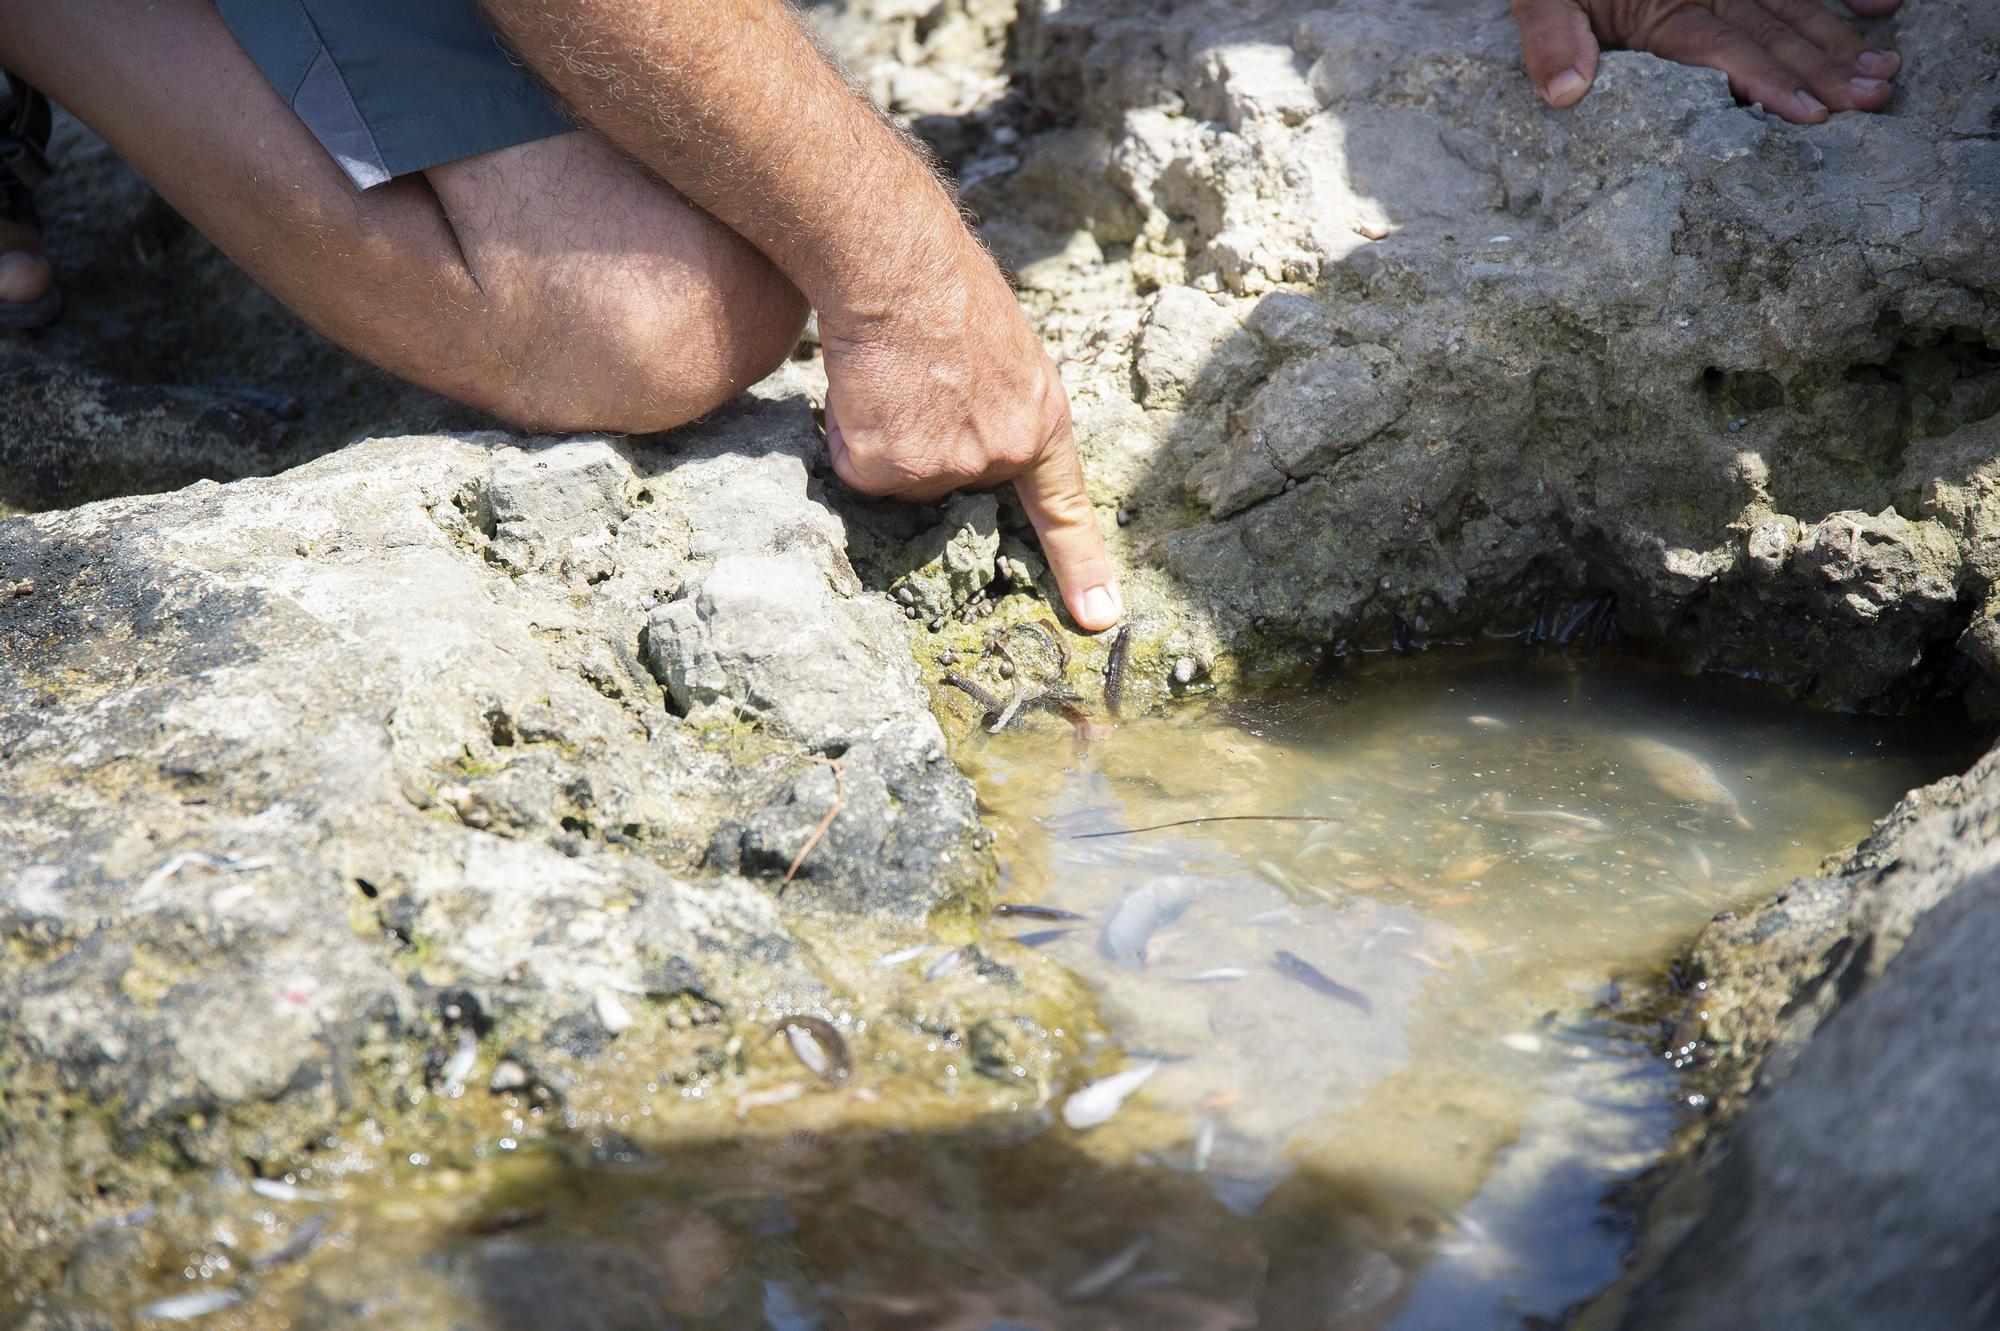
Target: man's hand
{"type": "Point", "coordinates": [952, 390]}
{"type": "Point", "coordinates": [1793, 56]}
{"type": "Point", "coordinates": [934, 378]}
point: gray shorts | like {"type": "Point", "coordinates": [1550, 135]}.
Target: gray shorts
{"type": "Point", "coordinates": [393, 86]}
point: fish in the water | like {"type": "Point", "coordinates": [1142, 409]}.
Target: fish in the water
{"type": "Point", "coordinates": [1100, 1099]}
{"type": "Point", "coordinates": [902, 954]}
{"type": "Point", "coordinates": [1042, 937]}
{"type": "Point", "coordinates": [1144, 911]}
{"type": "Point", "coordinates": [187, 1307]}
{"type": "Point", "coordinates": [1214, 975]}
{"type": "Point", "coordinates": [302, 1241]}
{"type": "Point", "coordinates": [1685, 777]}
{"type": "Point", "coordinates": [819, 1046]}
{"type": "Point", "coordinates": [945, 964]}
{"type": "Point", "coordinates": [1034, 912]}
{"type": "Point", "coordinates": [1102, 1278]}
{"type": "Point", "coordinates": [1492, 807]}
{"type": "Point", "coordinates": [280, 1191]}
{"type": "Point", "coordinates": [1298, 968]}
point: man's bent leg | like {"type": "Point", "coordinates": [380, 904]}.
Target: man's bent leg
{"type": "Point", "coordinates": [554, 283]}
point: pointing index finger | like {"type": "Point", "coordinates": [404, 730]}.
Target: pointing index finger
{"type": "Point", "coordinates": [1053, 494]}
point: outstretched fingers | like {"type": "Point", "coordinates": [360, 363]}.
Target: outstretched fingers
{"type": "Point", "coordinates": [1052, 491]}
{"type": "Point", "coordinates": [1824, 54]}
{"type": "Point", "coordinates": [1558, 47]}
{"type": "Point", "coordinates": [1694, 36]}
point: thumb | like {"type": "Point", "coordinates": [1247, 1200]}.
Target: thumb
{"type": "Point", "coordinates": [1052, 493]}
{"type": "Point", "coordinates": [1559, 48]}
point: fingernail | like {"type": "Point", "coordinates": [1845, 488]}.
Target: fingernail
{"type": "Point", "coordinates": [1876, 63]}
{"type": "Point", "coordinates": [1865, 87]}
{"type": "Point", "coordinates": [1566, 86]}
{"type": "Point", "coordinates": [1100, 606]}
{"type": "Point", "coordinates": [1811, 103]}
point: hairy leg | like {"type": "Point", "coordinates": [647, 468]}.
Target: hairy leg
{"type": "Point", "coordinates": [554, 284]}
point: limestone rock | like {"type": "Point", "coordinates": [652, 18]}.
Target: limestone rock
{"type": "Point", "coordinates": [954, 561]}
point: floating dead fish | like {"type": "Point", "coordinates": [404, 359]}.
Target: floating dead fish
{"type": "Point", "coordinates": [1043, 937]}
{"type": "Point", "coordinates": [460, 1067]}
{"type": "Point", "coordinates": [1493, 807]}
{"type": "Point", "coordinates": [187, 1307]}
{"type": "Point", "coordinates": [945, 964]}
{"type": "Point", "coordinates": [1685, 777]}
{"type": "Point", "coordinates": [780, 1094]}
{"type": "Point", "coordinates": [1214, 975]}
{"type": "Point", "coordinates": [1032, 911]}
{"type": "Point", "coordinates": [1103, 1278]}
{"type": "Point", "coordinates": [303, 1240]}
{"type": "Point", "coordinates": [819, 1046]}
{"type": "Point", "coordinates": [280, 1191]}
{"type": "Point", "coordinates": [1143, 912]}
{"type": "Point", "coordinates": [1298, 968]}
{"type": "Point", "coordinates": [1096, 1102]}
{"type": "Point", "coordinates": [902, 954]}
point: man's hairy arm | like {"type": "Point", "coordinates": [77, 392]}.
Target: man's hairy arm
{"type": "Point", "coordinates": [935, 379]}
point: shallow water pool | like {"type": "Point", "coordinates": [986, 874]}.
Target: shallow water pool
{"type": "Point", "coordinates": [1379, 962]}
{"type": "Point", "coordinates": [1399, 934]}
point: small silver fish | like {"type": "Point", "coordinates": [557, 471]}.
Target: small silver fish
{"type": "Point", "coordinates": [1486, 722]}
{"type": "Point", "coordinates": [1214, 975]}
{"type": "Point", "coordinates": [945, 964]}
{"type": "Point", "coordinates": [303, 1240]}
{"type": "Point", "coordinates": [902, 954]}
{"type": "Point", "coordinates": [1102, 1278]}
{"type": "Point", "coordinates": [767, 1096]}
{"type": "Point", "coordinates": [1100, 1099]}
{"type": "Point", "coordinates": [460, 1067]}
{"type": "Point", "coordinates": [1142, 913]}
{"type": "Point", "coordinates": [187, 1307]}
{"type": "Point", "coordinates": [1204, 1145]}
{"type": "Point", "coordinates": [1042, 937]}
{"type": "Point", "coordinates": [1493, 808]}
{"type": "Point", "coordinates": [280, 1191]}
{"type": "Point", "coordinates": [1685, 777]}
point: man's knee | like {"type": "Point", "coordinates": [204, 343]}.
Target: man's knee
{"type": "Point", "coordinates": [621, 368]}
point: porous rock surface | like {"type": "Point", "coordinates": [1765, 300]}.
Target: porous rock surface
{"type": "Point", "coordinates": [438, 724]}
{"type": "Point", "coordinates": [1369, 338]}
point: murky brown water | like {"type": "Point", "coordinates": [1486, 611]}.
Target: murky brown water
{"type": "Point", "coordinates": [1403, 1012]}
{"type": "Point", "coordinates": [1504, 846]}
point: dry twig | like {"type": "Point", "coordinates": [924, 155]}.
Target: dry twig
{"type": "Point", "coordinates": [839, 799]}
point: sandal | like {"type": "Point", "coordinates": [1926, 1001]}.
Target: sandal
{"type": "Point", "coordinates": [25, 122]}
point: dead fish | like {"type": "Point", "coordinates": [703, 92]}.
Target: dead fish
{"type": "Point", "coordinates": [1142, 913]}
{"type": "Point", "coordinates": [1486, 722]}
{"type": "Point", "coordinates": [187, 1307]}
{"type": "Point", "coordinates": [1264, 918]}
{"type": "Point", "coordinates": [1493, 808]}
{"type": "Point", "coordinates": [1685, 777]}
{"type": "Point", "coordinates": [902, 954]}
{"type": "Point", "coordinates": [1214, 976]}
{"type": "Point", "coordinates": [280, 1191]}
{"type": "Point", "coordinates": [1204, 1145]}
{"type": "Point", "coordinates": [1102, 1278]}
{"type": "Point", "coordinates": [1097, 1101]}
{"type": "Point", "coordinates": [303, 1240]}
{"type": "Point", "coordinates": [1031, 911]}
{"type": "Point", "coordinates": [1114, 670]}
{"type": "Point", "coordinates": [945, 964]}
{"type": "Point", "coordinates": [1298, 968]}
{"type": "Point", "coordinates": [460, 1067]}
{"type": "Point", "coordinates": [782, 1093]}
{"type": "Point", "coordinates": [819, 1046]}
{"type": "Point", "coordinates": [1042, 937]}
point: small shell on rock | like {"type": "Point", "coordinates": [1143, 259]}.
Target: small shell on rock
{"type": "Point", "coordinates": [507, 1076]}
{"type": "Point", "coordinates": [25, 587]}
{"type": "Point", "coordinates": [1185, 670]}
